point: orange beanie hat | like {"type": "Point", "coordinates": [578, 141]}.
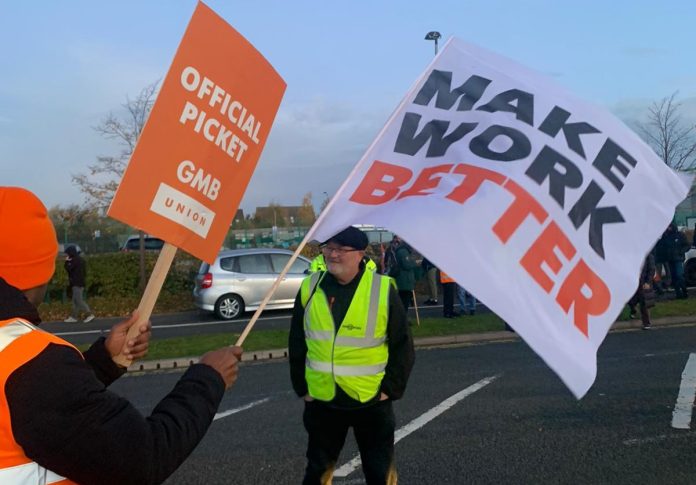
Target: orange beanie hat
{"type": "Point", "coordinates": [28, 243]}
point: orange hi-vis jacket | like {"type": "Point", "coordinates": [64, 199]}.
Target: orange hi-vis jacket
{"type": "Point", "coordinates": [20, 342]}
{"type": "Point", "coordinates": [445, 278]}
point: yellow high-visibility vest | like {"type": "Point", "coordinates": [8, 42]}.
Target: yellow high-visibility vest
{"type": "Point", "coordinates": [354, 357]}
{"type": "Point", "coordinates": [317, 264]}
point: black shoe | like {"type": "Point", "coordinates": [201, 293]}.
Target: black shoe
{"type": "Point", "coordinates": [647, 327]}
{"type": "Point", "coordinates": [472, 312]}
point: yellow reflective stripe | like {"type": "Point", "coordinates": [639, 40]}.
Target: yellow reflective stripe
{"type": "Point", "coordinates": [12, 331]}
{"type": "Point", "coordinates": [359, 370]}
{"type": "Point", "coordinates": [359, 342]}
{"type": "Point", "coordinates": [28, 473]}
{"type": "Point", "coordinates": [319, 335]}
{"type": "Point", "coordinates": [374, 306]}
{"type": "Point", "coordinates": [308, 285]}
{"type": "Point", "coordinates": [346, 370]}
{"type": "Point", "coordinates": [307, 298]}
{"type": "Point", "coordinates": [318, 366]}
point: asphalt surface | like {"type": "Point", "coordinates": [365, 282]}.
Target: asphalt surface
{"type": "Point", "coordinates": [518, 424]}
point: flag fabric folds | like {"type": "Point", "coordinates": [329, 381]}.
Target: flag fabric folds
{"type": "Point", "coordinates": [541, 205]}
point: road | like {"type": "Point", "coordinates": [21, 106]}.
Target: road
{"type": "Point", "coordinates": [197, 323]}
{"type": "Point", "coordinates": [491, 413]}
{"type": "Point", "coordinates": [189, 323]}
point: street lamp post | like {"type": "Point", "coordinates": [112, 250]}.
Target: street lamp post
{"type": "Point", "coordinates": [433, 35]}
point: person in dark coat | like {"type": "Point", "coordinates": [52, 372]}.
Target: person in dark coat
{"type": "Point", "coordinates": [405, 276]}
{"type": "Point", "coordinates": [640, 297]}
{"type": "Point", "coordinates": [661, 266]}
{"type": "Point", "coordinates": [351, 353]}
{"type": "Point", "coordinates": [675, 246]}
{"type": "Point", "coordinates": [430, 273]}
{"type": "Point", "coordinates": [77, 275]}
{"type": "Point", "coordinates": [60, 420]}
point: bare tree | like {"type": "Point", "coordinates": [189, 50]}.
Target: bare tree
{"type": "Point", "coordinates": [667, 133]}
{"type": "Point", "coordinates": [99, 184]}
{"type": "Point", "coordinates": [306, 216]}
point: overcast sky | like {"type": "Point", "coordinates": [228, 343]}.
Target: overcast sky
{"type": "Point", "coordinates": [66, 65]}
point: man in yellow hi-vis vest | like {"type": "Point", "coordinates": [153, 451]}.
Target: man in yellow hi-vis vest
{"type": "Point", "coordinates": [317, 264]}
{"type": "Point", "coordinates": [351, 353]}
{"type": "Point", "coordinates": [58, 422]}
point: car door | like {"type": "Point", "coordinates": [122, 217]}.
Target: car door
{"type": "Point", "coordinates": [288, 288]}
{"type": "Point", "coordinates": [254, 278]}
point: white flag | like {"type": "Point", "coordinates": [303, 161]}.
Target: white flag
{"type": "Point", "coordinates": [541, 205]}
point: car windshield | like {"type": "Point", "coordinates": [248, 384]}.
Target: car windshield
{"type": "Point", "coordinates": [150, 243]}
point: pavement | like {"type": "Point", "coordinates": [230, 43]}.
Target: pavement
{"type": "Point", "coordinates": [421, 342]}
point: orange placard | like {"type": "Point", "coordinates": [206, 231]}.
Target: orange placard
{"type": "Point", "coordinates": [203, 139]}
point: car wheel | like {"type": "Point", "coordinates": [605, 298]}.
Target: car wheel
{"type": "Point", "coordinates": [229, 306]}
{"type": "Point", "coordinates": [690, 273]}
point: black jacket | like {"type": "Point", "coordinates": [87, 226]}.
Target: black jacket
{"type": "Point", "coordinates": [647, 273]}
{"type": "Point", "coordinates": [77, 270]}
{"type": "Point", "coordinates": [67, 421]}
{"type": "Point", "coordinates": [399, 342]}
{"type": "Point", "coordinates": [673, 245]}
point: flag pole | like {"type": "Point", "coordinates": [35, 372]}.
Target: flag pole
{"type": "Point", "coordinates": [327, 210]}
{"type": "Point", "coordinates": [415, 307]}
{"type": "Point", "coordinates": [269, 294]}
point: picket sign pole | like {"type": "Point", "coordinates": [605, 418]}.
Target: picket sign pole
{"type": "Point", "coordinates": [415, 307]}
{"type": "Point", "coordinates": [268, 296]}
{"type": "Point", "coordinates": [152, 291]}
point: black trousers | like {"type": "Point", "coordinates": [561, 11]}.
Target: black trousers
{"type": "Point", "coordinates": [327, 428]}
{"type": "Point", "coordinates": [448, 290]}
{"type": "Point", "coordinates": [638, 298]}
{"type": "Point", "coordinates": [406, 298]}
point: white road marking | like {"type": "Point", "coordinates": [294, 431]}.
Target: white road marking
{"type": "Point", "coordinates": [174, 325]}
{"type": "Point", "coordinates": [84, 332]}
{"type": "Point", "coordinates": [224, 414]}
{"type": "Point", "coordinates": [656, 439]}
{"type": "Point", "coordinates": [421, 421]}
{"type": "Point", "coordinates": [681, 416]}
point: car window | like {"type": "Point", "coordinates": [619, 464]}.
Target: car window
{"type": "Point", "coordinates": [255, 264]}
{"type": "Point", "coordinates": [280, 260]}
{"type": "Point", "coordinates": [230, 264]}
{"type": "Point", "coordinates": [153, 243]}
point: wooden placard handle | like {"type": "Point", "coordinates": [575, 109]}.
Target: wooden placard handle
{"type": "Point", "coordinates": [152, 291]}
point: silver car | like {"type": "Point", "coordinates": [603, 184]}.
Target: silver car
{"type": "Point", "coordinates": [239, 279]}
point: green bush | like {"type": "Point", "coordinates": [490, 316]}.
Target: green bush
{"type": "Point", "coordinates": [116, 275]}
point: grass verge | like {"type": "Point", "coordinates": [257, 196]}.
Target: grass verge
{"type": "Point", "coordinates": [275, 339]}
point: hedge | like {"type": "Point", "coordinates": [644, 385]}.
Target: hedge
{"type": "Point", "coordinates": [117, 275]}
